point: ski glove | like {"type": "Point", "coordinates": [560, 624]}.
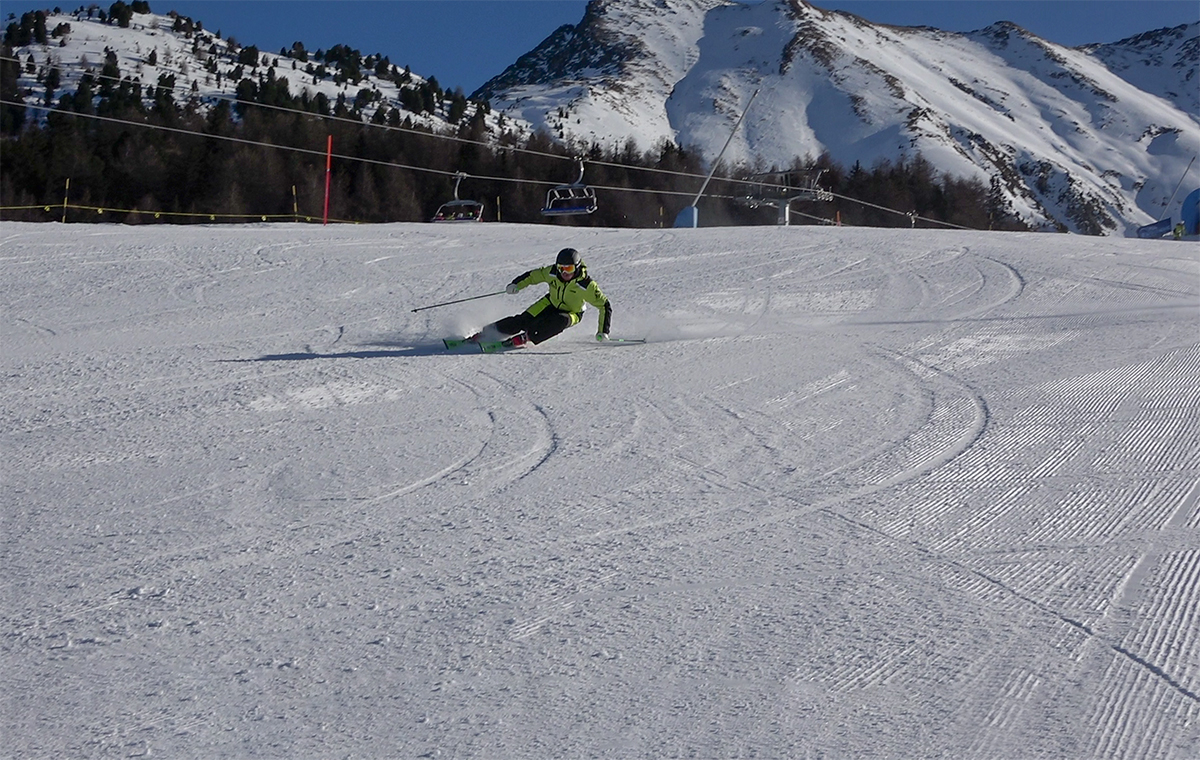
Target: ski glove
{"type": "Point", "coordinates": [601, 336]}
{"type": "Point", "coordinates": [511, 288]}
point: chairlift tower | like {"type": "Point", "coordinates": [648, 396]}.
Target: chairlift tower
{"type": "Point", "coordinates": [780, 189]}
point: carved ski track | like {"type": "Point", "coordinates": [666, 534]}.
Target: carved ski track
{"type": "Point", "coordinates": [1089, 408]}
{"type": "Point", "coordinates": [1014, 290]}
{"type": "Point", "coordinates": [282, 542]}
{"type": "Point", "coordinates": [762, 501]}
{"type": "Point", "coordinates": [356, 516]}
{"type": "Point", "coordinates": [499, 472]}
{"type": "Point", "coordinates": [549, 443]}
{"type": "Point", "coordinates": [966, 291]}
{"type": "Point", "coordinates": [564, 601]}
{"type": "Point", "coordinates": [925, 447]}
{"type": "Point", "coordinates": [545, 606]}
{"type": "Point", "coordinates": [918, 453]}
{"type": "Point", "coordinates": [360, 521]}
{"type": "Point", "coordinates": [1173, 609]}
{"type": "Point", "coordinates": [1172, 291]}
{"type": "Point", "coordinates": [987, 297]}
{"type": "Point", "coordinates": [1118, 648]}
{"type": "Point", "coordinates": [1072, 517]}
{"type": "Point", "coordinates": [36, 327]}
{"type": "Point", "coordinates": [1159, 441]}
{"type": "Point", "coordinates": [602, 499]}
{"type": "Point", "coordinates": [351, 523]}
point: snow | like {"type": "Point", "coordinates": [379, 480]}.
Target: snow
{"type": "Point", "coordinates": [1074, 142]}
{"type": "Point", "coordinates": [998, 102]}
{"type": "Point", "coordinates": [186, 56]}
{"type": "Point", "coordinates": [864, 493]}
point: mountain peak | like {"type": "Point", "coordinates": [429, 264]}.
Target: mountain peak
{"type": "Point", "coordinates": [1089, 139]}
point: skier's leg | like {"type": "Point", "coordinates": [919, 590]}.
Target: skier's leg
{"type": "Point", "coordinates": [548, 324]}
{"type": "Point", "coordinates": [514, 324]}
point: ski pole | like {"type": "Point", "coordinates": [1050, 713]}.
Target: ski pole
{"type": "Point", "coordinates": [472, 298]}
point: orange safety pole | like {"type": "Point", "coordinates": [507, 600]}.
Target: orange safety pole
{"type": "Point", "coordinates": [328, 165]}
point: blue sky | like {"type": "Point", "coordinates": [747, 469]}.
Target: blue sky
{"type": "Point", "coordinates": [465, 42]}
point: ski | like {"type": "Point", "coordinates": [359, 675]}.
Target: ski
{"type": "Point", "coordinates": [498, 346]}
{"type": "Point", "coordinates": [517, 341]}
{"type": "Point", "coordinates": [520, 340]}
{"type": "Point", "coordinates": [470, 340]}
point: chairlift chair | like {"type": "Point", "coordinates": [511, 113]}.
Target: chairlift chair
{"type": "Point", "coordinates": [574, 199]}
{"type": "Point", "coordinates": [779, 189]}
{"type": "Point", "coordinates": [459, 210]}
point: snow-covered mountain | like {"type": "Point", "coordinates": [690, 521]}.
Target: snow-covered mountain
{"type": "Point", "coordinates": [203, 67]}
{"type": "Point", "coordinates": [1094, 139]}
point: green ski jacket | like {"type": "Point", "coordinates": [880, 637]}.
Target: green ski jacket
{"type": "Point", "coordinates": [570, 297]}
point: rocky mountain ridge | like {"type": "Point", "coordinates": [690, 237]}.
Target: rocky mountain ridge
{"type": "Point", "coordinates": [1090, 139]}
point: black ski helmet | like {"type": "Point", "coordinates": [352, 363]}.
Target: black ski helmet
{"type": "Point", "coordinates": [569, 256]}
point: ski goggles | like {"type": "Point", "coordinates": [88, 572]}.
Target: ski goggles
{"type": "Point", "coordinates": [566, 270]}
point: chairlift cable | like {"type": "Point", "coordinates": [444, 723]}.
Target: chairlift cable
{"type": "Point", "coordinates": [442, 172]}
{"type": "Point", "coordinates": [454, 138]}
{"type": "Point", "coordinates": [233, 99]}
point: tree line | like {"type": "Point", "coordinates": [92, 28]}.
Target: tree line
{"type": "Point", "coordinates": [158, 151]}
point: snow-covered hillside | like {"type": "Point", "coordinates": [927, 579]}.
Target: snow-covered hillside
{"type": "Point", "coordinates": [1162, 62]}
{"type": "Point", "coordinates": [205, 67]}
{"type": "Point", "coordinates": [1095, 139]}
{"type": "Point", "coordinates": [863, 493]}
{"type": "Point", "coordinates": [606, 79]}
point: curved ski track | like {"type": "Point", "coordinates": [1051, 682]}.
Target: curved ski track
{"type": "Point", "coordinates": [924, 495]}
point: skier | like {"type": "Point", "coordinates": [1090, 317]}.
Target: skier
{"type": "Point", "coordinates": [562, 307]}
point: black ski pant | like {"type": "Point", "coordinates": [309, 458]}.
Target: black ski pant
{"type": "Point", "coordinates": [546, 325]}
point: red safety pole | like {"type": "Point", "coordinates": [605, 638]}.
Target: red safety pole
{"type": "Point", "coordinates": [328, 165]}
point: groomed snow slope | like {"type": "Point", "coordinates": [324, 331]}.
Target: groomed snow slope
{"type": "Point", "coordinates": [864, 493]}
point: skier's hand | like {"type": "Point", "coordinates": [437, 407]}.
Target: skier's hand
{"type": "Point", "coordinates": [601, 336]}
{"type": "Point", "coordinates": [511, 288]}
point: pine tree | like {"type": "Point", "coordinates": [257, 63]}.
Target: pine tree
{"type": "Point", "coordinates": [12, 117]}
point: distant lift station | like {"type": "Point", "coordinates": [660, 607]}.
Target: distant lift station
{"type": "Point", "coordinates": [459, 210]}
{"type": "Point", "coordinates": [780, 189]}
{"type": "Point", "coordinates": [574, 199]}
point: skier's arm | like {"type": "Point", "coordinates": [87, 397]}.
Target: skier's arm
{"type": "Point", "coordinates": [596, 298]}
{"type": "Point", "coordinates": [531, 277]}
